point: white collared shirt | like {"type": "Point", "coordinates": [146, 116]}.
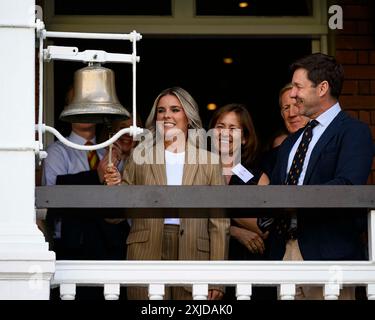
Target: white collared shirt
{"type": "Point", "coordinates": [324, 120]}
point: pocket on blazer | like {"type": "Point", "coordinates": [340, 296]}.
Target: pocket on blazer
{"type": "Point", "coordinates": [203, 244]}
{"type": "Point", "coordinates": [138, 236]}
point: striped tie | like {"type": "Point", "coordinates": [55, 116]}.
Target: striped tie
{"type": "Point", "coordinates": [92, 157]}
{"type": "Point", "coordinates": [299, 157]}
{"type": "Point", "coordinates": [288, 224]}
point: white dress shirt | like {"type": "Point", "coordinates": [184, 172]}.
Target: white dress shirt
{"type": "Point", "coordinates": [174, 164]}
{"type": "Point", "coordinates": [324, 121]}
{"type": "Point", "coordinates": [63, 160]}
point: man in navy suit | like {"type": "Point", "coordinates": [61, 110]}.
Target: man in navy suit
{"type": "Point", "coordinates": [339, 152]}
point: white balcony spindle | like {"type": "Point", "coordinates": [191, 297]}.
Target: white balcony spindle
{"type": "Point", "coordinates": [111, 291]}
{"type": "Point", "coordinates": [331, 291]}
{"type": "Point", "coordinates": [288, 276]}
{"type": "Point", "coordinates": [371, 235]}
{"type": "Point", "coordinates": [243, 291]}
{"type": "Point", "coordinates": [68, 291]}
{"type": "Point", "coordinates": [156, 291]}
{"type": "Point", "coordinates": [287, 291]}
{"type": "Point", "coordinates": [371, 291]}
{"type": "Point", "coordinates": [200, 291]}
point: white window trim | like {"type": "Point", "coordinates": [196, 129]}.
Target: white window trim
{"type": "Point", "coordinates": [184, 22]}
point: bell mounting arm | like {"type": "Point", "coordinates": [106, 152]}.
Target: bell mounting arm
{"type": "Point", "coordinates": [72, 54]}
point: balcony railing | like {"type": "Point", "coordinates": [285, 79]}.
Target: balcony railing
{"type": "Point", "coordinates": [156, 275]}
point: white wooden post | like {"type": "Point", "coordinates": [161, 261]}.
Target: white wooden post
{"type": "Point", "coordinates": [68, 291]}
{"type": "Point", "coordinates": [243, 291]}
{"type": "Point", "coordinates": [331, 291]}
{"type": "Point", "coordinates": [371, 247]}
{"type": "Point", "coordinates": [200, 291]}
{"type": "Point", "coordinates": [370, 291]}
{"type": "Point", "coordinates": [287, 291]}
{"type": "Point", "coordinates": [26, 265]}
{"type": "Point", "coordinates": [371, 235]}
{"type": "Point", "coordinates": [156, 291]}
{"type": "Point", "coordinates": [111, 291]}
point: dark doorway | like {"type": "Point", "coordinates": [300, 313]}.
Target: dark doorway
{"type": "Point", "coordinates": [259, 68]}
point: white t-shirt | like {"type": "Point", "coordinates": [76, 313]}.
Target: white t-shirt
{"type": "Point", "coordinates": [174, 164]}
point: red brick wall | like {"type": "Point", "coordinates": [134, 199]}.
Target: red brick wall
{"type": "Point", "coordinates": [355, 49]}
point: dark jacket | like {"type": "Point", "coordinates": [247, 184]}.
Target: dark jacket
{"type": "Point", "coordinates": [342, 156]}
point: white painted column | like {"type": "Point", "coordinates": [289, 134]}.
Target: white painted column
{"type": "Point", "coordinates": [371, 235]}
{"type": "Point", "coordinates": [26, 265]}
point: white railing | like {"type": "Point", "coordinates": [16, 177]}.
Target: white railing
{"type": "Point", "coordinates": [155, 275]}
{"type": "Point", "coordinates": [286, 275]}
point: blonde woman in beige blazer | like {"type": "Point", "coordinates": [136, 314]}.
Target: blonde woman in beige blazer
{"type": "Point", "coordinates": [173, 113]}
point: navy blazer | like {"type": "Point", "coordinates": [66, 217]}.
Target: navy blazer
{"type": "Point", "coordinates": [342, 156]}
{"type": "Point", "coordinates": [84, 232]}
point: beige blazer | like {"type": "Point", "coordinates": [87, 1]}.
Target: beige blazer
{"type": "Point", "coordinates": [200, 238]}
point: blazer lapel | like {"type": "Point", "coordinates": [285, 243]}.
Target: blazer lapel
{"type": "Point", "coordinates": [327, 135]}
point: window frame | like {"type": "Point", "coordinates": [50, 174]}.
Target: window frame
{"type": "Point", "coordinates": [184, 22]}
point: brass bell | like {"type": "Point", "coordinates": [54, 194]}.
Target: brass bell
{"type": "Point", "coordinates": [94, 99]}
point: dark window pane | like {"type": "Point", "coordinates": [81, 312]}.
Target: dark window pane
{"type": "Point", "coordinates": [113, 7]}
{"type": "Point", "coordinates": [266, 8]}
{"type": "Point", "coordinates": [259, 70]}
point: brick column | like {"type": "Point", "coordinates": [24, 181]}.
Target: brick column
{"type": "Point", "coordinates": [355, 49]}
